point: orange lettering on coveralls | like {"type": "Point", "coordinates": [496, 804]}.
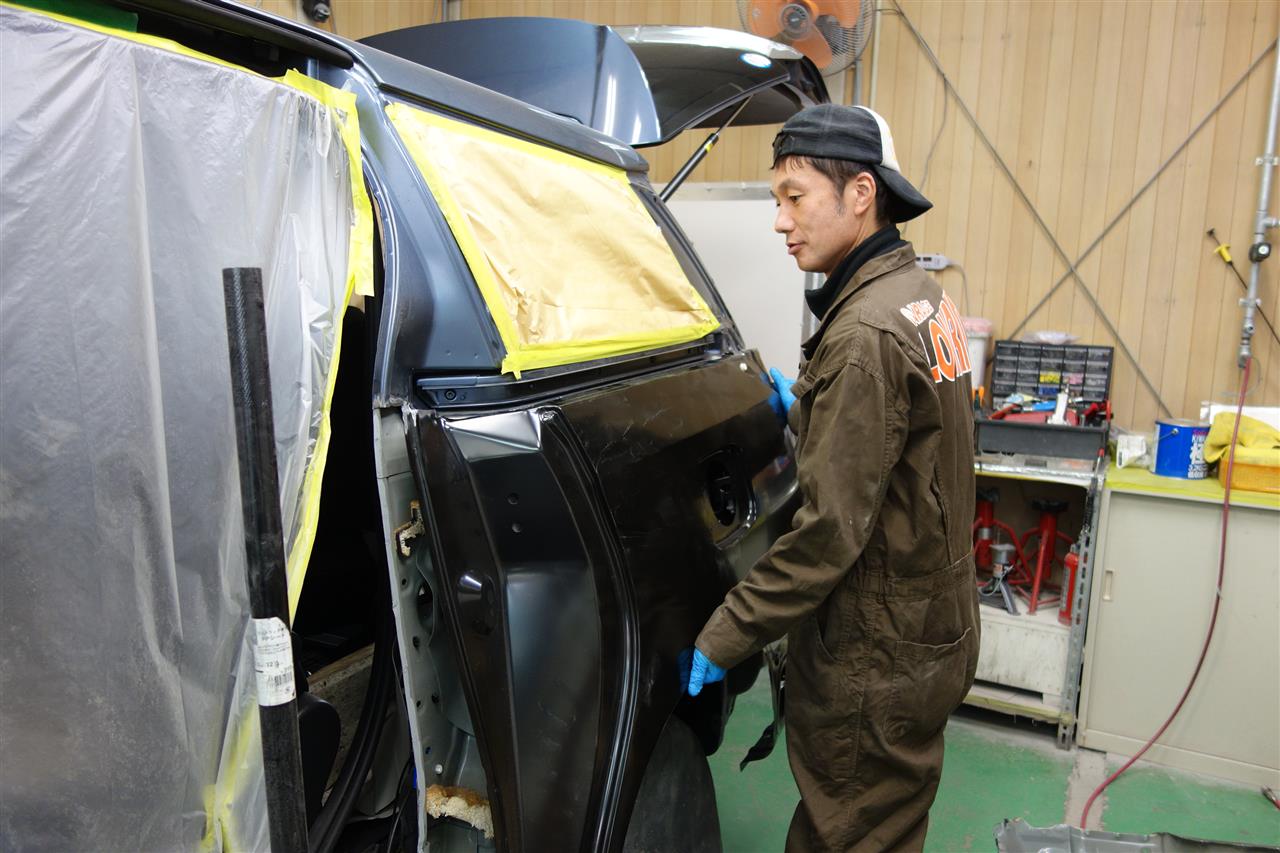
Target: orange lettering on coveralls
{"type": "Point", "coordinates": [945, 344]}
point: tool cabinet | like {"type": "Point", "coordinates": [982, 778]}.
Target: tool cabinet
{"type": "Point", "coordinates": [1156, 573]}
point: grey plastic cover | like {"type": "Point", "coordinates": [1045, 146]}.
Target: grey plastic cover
{"type": "Point", "coordinates": [130, 176]}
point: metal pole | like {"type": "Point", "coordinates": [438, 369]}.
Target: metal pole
{"type": "Point", "coordinates": [1261, 249]}
{"type": "Point", "coordinates": [264, 559]}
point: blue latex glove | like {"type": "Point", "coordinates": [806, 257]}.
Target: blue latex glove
{"type": "Point", "coordinates": [782, 399]}
{"type": "Point", "coordinates": [696, 669]}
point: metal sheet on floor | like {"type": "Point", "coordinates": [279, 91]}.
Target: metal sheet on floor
{"type": "Point", "coordinates": [1017, 836]}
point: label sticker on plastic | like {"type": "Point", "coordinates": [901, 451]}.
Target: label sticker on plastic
{"type": "Point", "coordinates": [273, 662]}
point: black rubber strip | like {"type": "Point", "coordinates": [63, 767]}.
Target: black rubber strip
{"type": "Point", "coordinates": [243, 23]}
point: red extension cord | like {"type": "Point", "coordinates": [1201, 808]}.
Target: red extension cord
{"type": "Point", "coordinates": [1217, 600]}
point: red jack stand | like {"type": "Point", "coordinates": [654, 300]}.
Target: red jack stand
{"type": "Point", "coordinates": [1048, 534]}
{"type": "Point", "coordinates": [985, 526]}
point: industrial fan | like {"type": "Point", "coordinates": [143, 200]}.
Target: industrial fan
{"type": "Point", "coordinates": [832, 33]}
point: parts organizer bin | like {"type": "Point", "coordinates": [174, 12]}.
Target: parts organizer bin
{"type": "Point", "coordinates": [1043, 370]}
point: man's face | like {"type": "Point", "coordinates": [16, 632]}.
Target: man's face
{"type": "Point", "coordinates": [821, 225]}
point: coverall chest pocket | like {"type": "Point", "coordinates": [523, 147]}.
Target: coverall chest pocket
{"type": "Point", "coordinates": [929, 682]}
{"type": "Point", "coordinates": [797, 417]}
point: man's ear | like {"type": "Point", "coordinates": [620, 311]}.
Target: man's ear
{"type": "Point", "coordinates": [860, 193]}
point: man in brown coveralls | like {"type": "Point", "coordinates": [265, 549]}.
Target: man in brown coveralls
{"type": "Point", "coordinates": [875, 584]}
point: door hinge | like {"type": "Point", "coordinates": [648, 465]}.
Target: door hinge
{"type": "Point", "coordinates": [406, 533]}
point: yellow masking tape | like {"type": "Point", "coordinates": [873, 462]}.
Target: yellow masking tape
{"type": "Point", "coordinates": [343, 105]}
{"type": "Point", "coordinates": [359, 280]}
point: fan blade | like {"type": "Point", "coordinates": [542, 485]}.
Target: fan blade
{"type": "Point", "coordinates": [765, 17]}
{"type": "Point", "coordinates": [814, 45]}
{"type": "Point", "coordinates": [844, 11]}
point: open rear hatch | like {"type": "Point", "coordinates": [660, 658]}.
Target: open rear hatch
{"type": "Point", "coordinates": [642, 85]}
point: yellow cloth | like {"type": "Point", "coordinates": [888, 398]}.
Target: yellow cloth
{"type": "Point", "coordinates": [1258, 443]}
{"type": "Point", "coordinates": [570, 263]}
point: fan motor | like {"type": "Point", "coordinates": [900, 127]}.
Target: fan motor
{"type": "Point", "coordinates": [796, 19]}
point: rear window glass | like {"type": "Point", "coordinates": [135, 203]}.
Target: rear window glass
{"type": "Point", "coordinates": [569, 261]}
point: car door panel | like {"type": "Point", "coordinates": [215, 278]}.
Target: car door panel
{"type": "Point", "coordinates": [578, 551]}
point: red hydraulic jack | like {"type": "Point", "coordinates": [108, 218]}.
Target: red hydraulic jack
{"type": "Point", "coordinates": [1048, 534]}
{"type": "Point", "coordinates": [985, 527]}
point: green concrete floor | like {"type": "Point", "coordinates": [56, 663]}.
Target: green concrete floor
{"type": "Point", "coordinates": [993, 770]}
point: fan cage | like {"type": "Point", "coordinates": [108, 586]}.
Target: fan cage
{"type": "Point", "coordinates": [846, 43]}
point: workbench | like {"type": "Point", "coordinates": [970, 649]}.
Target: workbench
{"type": "Point", "coordinates": [1029, 664]}
{"type": "Point", "coordinates": [1156, 571]}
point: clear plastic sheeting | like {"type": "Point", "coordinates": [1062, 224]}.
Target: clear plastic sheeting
{"type": "Point", "coordinates": [130, 176]}
{"type": "Point", "coordinates": [567, 257]}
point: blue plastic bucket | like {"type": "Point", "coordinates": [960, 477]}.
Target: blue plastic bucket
{"type": "Point", "coordinates": [1180, 449]}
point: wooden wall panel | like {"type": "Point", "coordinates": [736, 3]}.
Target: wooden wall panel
{"type": "Point", "coordinates": [1082, 135]}
{"type": "Point", "coordinates": [1082, 101]}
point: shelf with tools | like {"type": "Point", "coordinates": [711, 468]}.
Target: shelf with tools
{"type": "Point", "coordinates": [1035, 596]}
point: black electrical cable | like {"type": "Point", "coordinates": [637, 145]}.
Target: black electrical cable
{"type": "Point", "coordinates": [402, 802]}
{"type": "Point", "coordinates": [933, 147]}
{"type": "Point", "coordinates": [328, 826]}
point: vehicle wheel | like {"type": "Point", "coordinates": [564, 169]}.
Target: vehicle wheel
{"type": "Point", "coordinates": [676, 806]}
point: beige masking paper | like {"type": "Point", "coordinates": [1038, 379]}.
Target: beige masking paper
{"type": "Point", "coordinates": [568, 259]}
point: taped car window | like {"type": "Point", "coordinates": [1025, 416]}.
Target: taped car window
{"type": "Point", "coordinates": [570, 263]}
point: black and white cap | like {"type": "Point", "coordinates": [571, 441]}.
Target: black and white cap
{"type": "Point", "coordinates": [839, 132]}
